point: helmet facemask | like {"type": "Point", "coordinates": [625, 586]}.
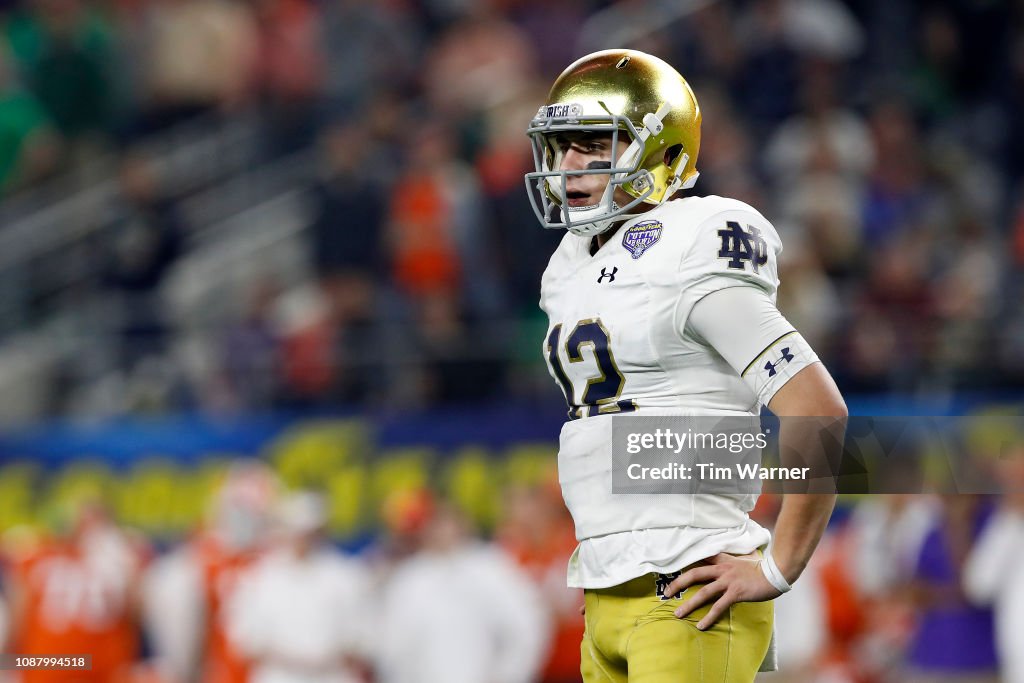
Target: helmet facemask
{"type": "Point", "coordinates": [546, 186]}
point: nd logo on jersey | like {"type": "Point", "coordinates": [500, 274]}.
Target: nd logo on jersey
{"type": "Point", "coordinates": [739, 245]}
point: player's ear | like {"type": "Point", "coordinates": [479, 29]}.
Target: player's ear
{"type": "Point", "coordinates": [672, 153]}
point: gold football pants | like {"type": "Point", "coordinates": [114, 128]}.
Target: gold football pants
{"type": "Point", "coordinates": [633, 636]}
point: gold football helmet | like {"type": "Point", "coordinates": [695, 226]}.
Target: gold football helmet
{"type": "Point", "coordinates": [623, 92]}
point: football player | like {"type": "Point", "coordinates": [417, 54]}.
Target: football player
{"type": "Point", "coordinates": [660, 304]}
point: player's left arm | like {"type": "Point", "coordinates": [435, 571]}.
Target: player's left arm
{"type": "Point", "coordinates": [744, 326]}
{"type": "Point", "coordinates": [803, 517]}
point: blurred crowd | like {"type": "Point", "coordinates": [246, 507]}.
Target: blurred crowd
{"type": "Point", "coordinates": [259, 593]}
{"type": "Point", "coordinates": [904, 588]}
{"type": "Point", "coordinates": [879, 137]}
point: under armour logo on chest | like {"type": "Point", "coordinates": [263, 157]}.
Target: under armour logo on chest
{"type": "Point", "coordinates": [770, 366]}
{"type": "Point", "coordinates": [606, 274]}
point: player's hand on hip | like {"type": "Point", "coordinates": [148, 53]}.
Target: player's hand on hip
{"type": "Point", "coordinates": [729, 578]}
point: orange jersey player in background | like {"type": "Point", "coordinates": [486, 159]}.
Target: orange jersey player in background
{"type": "Point", "coordinates": [187, 591]}
{"type": "Point", "coordinates": [75, 594]}
{"type": "Point", "coordinates": [537, 531]}
{"type": "Point", "coordinates": [221, 565]}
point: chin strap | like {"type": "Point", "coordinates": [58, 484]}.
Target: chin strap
{"type": "Point", "coordinates": [677, 182]}
{"type": "Point", "coordinates": [590, 228]}
{"type": "Point", "coordinates": [690, 182]}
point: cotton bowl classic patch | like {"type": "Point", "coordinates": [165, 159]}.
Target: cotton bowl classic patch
{"type": "Point", "coordinates": [641, 237]}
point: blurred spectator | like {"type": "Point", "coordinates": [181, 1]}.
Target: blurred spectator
{"type": "Point", "coordinates": [347, 234]}
{"type": "Point", "coordinates": [953, 640]}
{"type": "Point", "coordinates": [895, 314]}
{"type": "Point", "coordinates": [767, 83]}
{"type": "Point", "coordinates": [459, 359]}
{"type": "Point", "coordinates": [404, 515]}
{"type": "Point", "coordinates": [459, 611]}
{"type": "Point", "coordinates": [145, 239]}
{"type": "Point", "coordinates": [63, 49]}
{"type": "Point", "coordinates": [437, 242]}
{"type": "Point", "coordinates": [173, 614]}
{"type": "Point", "coordinates": [520, 254]}
{"type": "Point", "coordinates": [552, 28]}
{"type": "Point", "coordinates": [386, 121]}
{"type": "Point", "coordinates": [214, 73]}
{"type": "Point", "coordinates": [309, 338]}
{"type": "Point", "coordinates": [302, 614]}
{"type": "Point", "coordinates": [897, 192]}
{"type": "Point", "coordinates": [823, 29]}
{"type": "Point", "coordinates": [809, 299]}
{"type": "Point", "coordinates": [726, 150]}
{"type": "Point", "coordinates": [236, 540]}
{"type": "Point", "coordinates": [824, 136]}
{"type": "Point", "coordinates": [422, 234]}
{"type": "Point", "coordinates": [939, 66]}
{"type": "Point", "coordinates": [967, 296]}
{"type": "Point", "coordinates": [439, 237]}
{"type": "Point", "coordinates": [29, 146]}
{"type": "Point", "coordinates": [537, 531]}
{"type": "Point", "coordinates": [348, 253]}
{"type": "Point", "coordinates": [802, 634]}
{"type": "Point", "coordinates": [886, 533]}
{"type": "Point", "coordinates": [288, 70]}
{"type": "Point", "coordinates": [992, 573]}
{"type": "Point", "coordinates": [617, 24]}
{"type": "Point", "coordinates": [77, 593]}
{"type": "Point", "coordinates": [821, 157]}
{"type": "Point", "coordinates": [329, 342]}
{"type": "Point", "coordinates": [188, 591]}
{"type": "Point", "coordinates": [370, 48]}
{"type": "Point", "coordinates": [480, 63]}
{"type": "Point", "coordinates": [251, 351]}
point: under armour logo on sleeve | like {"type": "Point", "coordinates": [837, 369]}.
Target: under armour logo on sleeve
{"type": "Point", "coordinates": [770, 366]}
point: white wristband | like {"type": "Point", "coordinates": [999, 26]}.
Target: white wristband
{"type": "Point", "coordinates": [772, 572]}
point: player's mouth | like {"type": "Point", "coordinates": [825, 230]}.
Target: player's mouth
{"type": "Point", "coordinates": [578, 200]}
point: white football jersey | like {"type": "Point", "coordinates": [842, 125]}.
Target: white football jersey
{"type": "Point", "coordinates": [618, 313]}
{"type": "Point", "coordinates": [616, 344]}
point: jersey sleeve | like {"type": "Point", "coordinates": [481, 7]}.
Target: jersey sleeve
{"type": "Point", "coordinates": [732, 247]}
{"type": "Point", "coordinates": [753, 337]}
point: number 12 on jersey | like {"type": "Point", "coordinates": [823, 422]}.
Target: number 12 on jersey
{"type": "Point", "coordinates": [601, 395]}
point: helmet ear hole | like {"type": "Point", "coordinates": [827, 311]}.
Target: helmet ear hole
{"type": "Point", "coordinates": [671, 154]}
